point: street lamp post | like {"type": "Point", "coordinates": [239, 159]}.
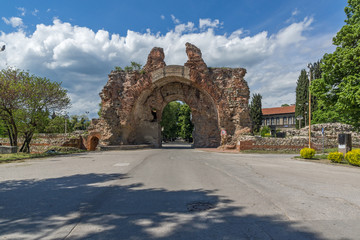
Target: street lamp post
{"type": "Point", "coordinates": [310, 66]}
{"type": "Point", "coordinates": [299, 118]}
{"type": "Point", "coordinates": [66, 117]}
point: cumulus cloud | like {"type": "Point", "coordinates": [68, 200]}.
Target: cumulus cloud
{"type": "Point", "coordinates": [13, 21]}
{"type": "Point", "coordinates": [82, 58]}
{"type": "Point", "coordinates": [207, 22]}
{"type": "Point", "coordinates": [162, 17]}
{"type": "Point", "coordinates": [181, 28]}
{"type": "Point", "coordinates": [22, 11]}
{"type": "Point", "coordinates": [294, 33]}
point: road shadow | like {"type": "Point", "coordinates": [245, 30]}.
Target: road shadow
{"type": "Point", "coordinates": [37, 209]}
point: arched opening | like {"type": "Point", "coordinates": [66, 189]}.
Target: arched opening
{"type": "Point", "coordinates": [149, 107]}
{"type": "Point", "coordinates": [94, 141]}
{"type": "Point", "coordinates": [176, 125]}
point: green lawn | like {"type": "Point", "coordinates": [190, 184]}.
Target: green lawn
{"type": "Point", "coordinates": [21, 156]}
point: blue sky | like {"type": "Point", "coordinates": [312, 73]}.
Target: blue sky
{"type": "Point", "coordinates": [78, 42]}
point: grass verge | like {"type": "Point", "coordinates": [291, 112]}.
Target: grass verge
{"type": "Point", "coordinates": [271, 152]}
{"type": "Point", "coordinates": [4, 158]}
{"type": "Point", "coordinates": [323, 157]}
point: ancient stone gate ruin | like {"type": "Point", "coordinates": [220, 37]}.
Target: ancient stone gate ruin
{"type": "Point", "coordinates": [132, 102]}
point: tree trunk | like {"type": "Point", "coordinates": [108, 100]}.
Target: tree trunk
{"type": "Point", "coordinates": [25, 148]}
{"type": "Point", "coordinates": [12, 134]}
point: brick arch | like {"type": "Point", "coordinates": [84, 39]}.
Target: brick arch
{"type": "Point", "coordinates": [93, 141]}
{"type": "Point", "coordinates": [217, 96]}
{"type": "Point", "coordinates": [204, 112]}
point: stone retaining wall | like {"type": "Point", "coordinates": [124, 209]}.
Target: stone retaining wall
{"type": "Point", "coordinates": [298, 139]}
{"type": "Point", "coordinates": [271, 144]}
{"type": "Point", "coordinates": [7, 149]}
{"type": "Point", "coordinates": [295, 139]}
{"type": "Point", "coordinates": [42, 142]}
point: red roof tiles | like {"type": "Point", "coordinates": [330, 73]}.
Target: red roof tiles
{"type": "Point", "coordinates": [278, 110]}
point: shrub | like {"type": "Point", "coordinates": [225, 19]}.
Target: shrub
{"type": "Point", "coordinates": [353, 157]}
{"type": "Point", "coordinates": [264, 130]}
{"type": "Point", "coordinates": [335, 157]}
{"type": "Point", "coordinates": [307, 153]}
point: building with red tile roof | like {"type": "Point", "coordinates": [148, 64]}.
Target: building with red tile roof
{"type": "Point", "coordinates": [281, 117]}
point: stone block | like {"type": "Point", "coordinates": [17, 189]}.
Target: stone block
{"type": "Point", "coordinates": [8, 149]}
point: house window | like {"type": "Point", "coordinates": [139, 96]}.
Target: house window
{"type": "Point", "coordinates": [263, 122]}
{"type": "Point", "coordinates": [267, 121]}
{"type": "Point", "coordinates": [284, 120]}
{"type": "Point", "coordinates": [277, 121]}
{"type": "Point", "coordinates": [290, 120]}
{"type": "Point", "coordinates": [272, 121]}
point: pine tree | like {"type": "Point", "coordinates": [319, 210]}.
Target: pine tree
{"type": "Point", "coordinates": [316, 74]}
{"type": "Point", "coordinates": [302, 98]}
{"type": "Point", "coordinates": [302, 95]}
{"type": "Point", "coordinates": [256, 112]}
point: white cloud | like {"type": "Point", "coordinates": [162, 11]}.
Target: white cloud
{"type": "Point", "coordinates": [174, 19]}
{"type": "Point", "coordinates": [181, 28]}
{"type": "Point", "coordinates": [13, 21]}
{"type": "Point", "coordinates": [294, 33]}
{"type": "Point", "coordinates": [295, 12]}
{"type": "Point", "coordinates": [22, 10]}
{"type": "Point", "coordinates": [208, 23]}
{"type": "Point", "coordinates": [162, 17]}
{"type": "Point", "coordinates": [35, 12]}
{"type": "Point", "coordinates": [82, 58]}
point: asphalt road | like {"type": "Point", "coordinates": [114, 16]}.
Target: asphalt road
{"type": "Point", "coordinates": [178, 193]}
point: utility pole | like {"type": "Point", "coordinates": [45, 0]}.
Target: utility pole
{"type": "Point", "coordinates": [310, 66]}
{"type": "Point", "coordinates": [66, 117]}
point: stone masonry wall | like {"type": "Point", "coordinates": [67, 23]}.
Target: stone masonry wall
{"type": "Point", "coordinates": [42, 142]}
{"type": "Point", "coordinates": [132, 102]}
{"type": "Point", "coordinates": [298, 139]}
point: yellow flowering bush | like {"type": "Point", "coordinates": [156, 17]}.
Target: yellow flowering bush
{"type": "Point", "coordinates": [307, 153]}
{"type": "Point", "coordinates": [335, 157]}
{"type": "Point", "coordinates": [353, 157]}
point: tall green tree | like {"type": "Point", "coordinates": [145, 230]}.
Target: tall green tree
{"type": "Point", "coordinates": [26, 102]}
{"type": "Point", "coordinates": [176, 122]}
{"type": "Point", "coordinates": [41, 97]}
{"type": "Point", "coordinates": [338, 89]}
{"type": "Point", "coordinates": [79, 122]}
{"type": "Point", "coordinates": [12, 100]}
{"type": "Point", "coordinates": [2, 129]}
{"type": "Point", "coordinates": [256, 112]}
{"type": "Point", "coordinates": [302, 94]}
{"type": "Point", "coordinates": [302, 98]}
{"type": "Point", "coordinates": [316, 73]}
{"type": "Point", "coordinates": [169, 121]}
{"type": "Point", "coordinates": [56, 125]}
{"type": "Point", "coordinates": [186, 127]}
